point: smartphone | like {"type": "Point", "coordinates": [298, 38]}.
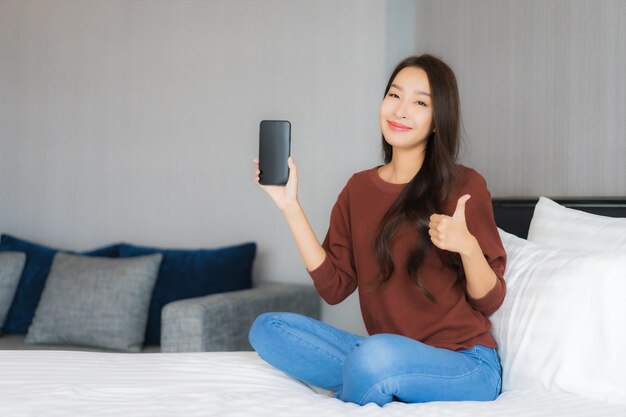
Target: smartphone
{"type": "Point", "coordinates": [274, 150]}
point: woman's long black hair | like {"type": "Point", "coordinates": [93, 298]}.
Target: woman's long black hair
{"type": "Point", "coordinates": [429, 188]}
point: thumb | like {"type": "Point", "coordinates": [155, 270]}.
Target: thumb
{"type": "Point", "coordinates": [293, 171]}
{"type": "Point", "coordinates": [459, 212]}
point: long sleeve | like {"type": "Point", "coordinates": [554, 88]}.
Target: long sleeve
{"type": "Point", "coordinates": [481, 224]}
{"type": "Point", "coordinates": [335, 279]}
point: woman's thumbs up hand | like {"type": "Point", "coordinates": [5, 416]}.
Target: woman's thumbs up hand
{"type": "Point", "coordinates": [450, 232]}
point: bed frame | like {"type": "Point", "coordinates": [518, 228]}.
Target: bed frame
{"type": "Point", "coordinates": [514, 214]}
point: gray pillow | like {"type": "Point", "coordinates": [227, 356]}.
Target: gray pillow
{"type": "Point", "coordinates": [11, 266]}
{"type": "Point", "coordinates": [93, 301]}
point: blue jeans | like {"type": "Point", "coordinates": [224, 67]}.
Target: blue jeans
{"type": "Point", "coordinates": [379, 368]}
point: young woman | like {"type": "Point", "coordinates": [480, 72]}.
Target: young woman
{"type": "Point", "coordinates": [417, 237]}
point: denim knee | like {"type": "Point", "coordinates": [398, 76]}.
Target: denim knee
{"type": "Point", "coordinates": [302, 347]}
{"type": "Point", "coordinates": [258, 330]}
{"type": "Point", "coordinates": [366, 367]}
{"type": "Point", "coordinates": [373, 357]}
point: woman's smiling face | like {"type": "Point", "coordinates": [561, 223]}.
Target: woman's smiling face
{"type": "Point", "coordinates": [406, 113]}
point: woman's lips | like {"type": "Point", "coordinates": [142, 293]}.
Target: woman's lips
{"type": "Point", "coordinates": [398, 127]}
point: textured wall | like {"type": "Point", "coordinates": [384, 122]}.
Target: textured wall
{"type": "Point", "coordinates": [138, 120]}
{"type": "Point", "coordinates": [543, 89]}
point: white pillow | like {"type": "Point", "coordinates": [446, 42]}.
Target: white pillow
{"type": "Point", "coordinates": [566, 228]}
{"type": "Point", "coordinates": [562, 324]}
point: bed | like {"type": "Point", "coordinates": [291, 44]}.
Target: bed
{"type": "Point", "coordinates": [65, 383]}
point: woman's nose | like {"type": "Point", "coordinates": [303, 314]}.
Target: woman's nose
{"type": "Point", "coordinates": [400, 111]}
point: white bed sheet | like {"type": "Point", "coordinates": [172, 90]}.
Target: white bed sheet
{"type": "Point", "coordinates": [65, 383]}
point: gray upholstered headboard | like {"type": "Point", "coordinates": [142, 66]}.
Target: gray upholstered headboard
{"type": "Point", "coordinates": [514, 214]}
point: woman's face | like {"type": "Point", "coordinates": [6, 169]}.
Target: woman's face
{"type": "Point", "coordinates": [406, 113]}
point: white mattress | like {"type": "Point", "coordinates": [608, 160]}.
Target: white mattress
{"type": "Point", "coordinates": [63, 383]}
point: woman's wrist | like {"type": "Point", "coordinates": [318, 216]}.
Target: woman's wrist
{"type": "Point", "coordinates": [479, 276]}
{"type": "Point", "coordinates": [471, 247]}
{"type": "Point", "coordinates": [291, 206]}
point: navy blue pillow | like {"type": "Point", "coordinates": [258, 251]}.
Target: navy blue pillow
{"type": "Point", "coordinates": [36, 269]}
{"type": "Point", "coordinates": [193, 273]}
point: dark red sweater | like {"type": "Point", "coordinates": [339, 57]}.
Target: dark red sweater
{"type": "Point", "coordinates": [455, 321]}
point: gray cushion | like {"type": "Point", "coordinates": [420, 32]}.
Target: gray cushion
{"type": "Point", "coordinates": [92, 301]}
{"type": "Point", "coordinates": [11, 266]}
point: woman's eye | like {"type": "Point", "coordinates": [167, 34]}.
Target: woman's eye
{"type": "Point", "coordinates": [394, 95]}
{"type": "Point", "coordinates": [421, 103]}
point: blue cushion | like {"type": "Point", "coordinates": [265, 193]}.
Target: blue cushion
{"type": "Point", "coordinates": [38, 262]}
{"type": "Point", "coordinates": [194, 273]}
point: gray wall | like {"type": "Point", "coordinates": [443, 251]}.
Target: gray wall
{"type": "Point", "coordinates": [138, 120]}
{"type": "Point", "coordinates": [543, 90]}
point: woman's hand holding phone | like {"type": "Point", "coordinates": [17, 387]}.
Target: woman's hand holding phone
{"type": "Point", "coordinates": [280, 182]}
{"type": "Point", "coordinates": [284, 196]}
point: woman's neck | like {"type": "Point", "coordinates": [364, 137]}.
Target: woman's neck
{"type": "Point", "coordinates": [402, 168]}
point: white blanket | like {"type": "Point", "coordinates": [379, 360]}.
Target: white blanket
{"type": "Point", "coordinates": [64, 383]}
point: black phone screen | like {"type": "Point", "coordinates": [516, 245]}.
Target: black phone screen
{"type": "Point", "coordinates": [274, 150]}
